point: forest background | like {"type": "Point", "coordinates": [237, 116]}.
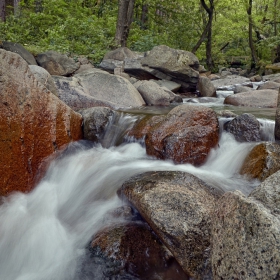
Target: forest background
{"type": "Point", "coordinates": [217, 31]}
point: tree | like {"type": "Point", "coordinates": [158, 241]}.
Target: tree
{"type": "Point", "coordinates": [2, 10]}
{"type": "Point", "coordinates": [125, 17]}
{"type": "Point", "coordinates": [250, 27]}
{"type": "Point", "coordinates": [207, 33]}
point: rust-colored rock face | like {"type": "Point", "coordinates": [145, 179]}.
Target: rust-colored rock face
{"type": "Point", "coordinates": [33, 124]}
{"type": "Point", "coordinates": [185, 135]}
{"type": "Point", "coordinates": [262, 161]}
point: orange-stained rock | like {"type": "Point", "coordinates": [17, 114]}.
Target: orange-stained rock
{"type": "Point", "coordinates": [185, 135]}
{"type": "Point", "coordinates": [262, 161]}
{"type": "Point", "coordinates": [33, 124]}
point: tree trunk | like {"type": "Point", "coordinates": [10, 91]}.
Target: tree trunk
{"type": "Point", "coordinates": [251, 42]}
{"type": "Point", "coordinates": [125, 16]}
{"type": "Point", "coordinates": [144, 16]}
{"type": "Point", "coordinates": [16, 8]}
{"type": "Point", "coordinates": [38, 6]}
{"type": "Point", "coordinates": [207, 32]}
{"type": "Point", "coordinates": [2, 10]}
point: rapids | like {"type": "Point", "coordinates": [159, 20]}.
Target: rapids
{"type": "Point", "coordinates": [43, 234]}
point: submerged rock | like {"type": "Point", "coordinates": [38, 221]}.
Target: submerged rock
{"type": "Point", "coordinates": [246, 235]}
{"type": "Point", "coordinates": [178, 207]}
{"type": "Point", "coordinates": [245, 128]}
{"type": "Point", "coordinates": [34, 124]}
{"type": "Point", "coordinates": [262, 161]}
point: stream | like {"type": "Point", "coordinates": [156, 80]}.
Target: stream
{"type": "Point", "coordinates": [43, 234]}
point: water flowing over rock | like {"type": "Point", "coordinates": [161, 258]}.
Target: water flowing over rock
{"type": "Point", "coordinates": [19, 49]}
{"type": "Point", "coordinates": [132, 249]}
{"type": "Point", "coordinates": [230, 80]}
{"type": "Point", "coordinates": [245, 128]}
{"type": "Point", "coordinates": [262, 161]}
{"type": "Point", "coordinates": [246, 235]}
{"type": "Point", "coordinates": [34, 123]}
{"type": "Point", "coordinates": [95, 122]}
{"type": "Point", "coordinates": [95, 87]}
{"type": "Point", "coordinates": [205, 87]}
{"type": "Point", "coordinates": [44, 77]}
{"type": "Point", "coordinates": [255, 98]}
{"type": "Point", "coordinates": [56, 63]}
{"type": "Point", "coordinates": [178, 207]}
{"type": "Point", "coordinates": [185, 135]}
{"type": "Point", "coordinates": [277, 118]}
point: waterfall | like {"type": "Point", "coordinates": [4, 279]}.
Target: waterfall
{"type": "Point", "coordinates": [43, 234]}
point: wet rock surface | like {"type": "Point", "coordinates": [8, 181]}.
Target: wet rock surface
{"type": "Point", "coordinates": [178, 207]}
{"type": "Point", "coordinates": [262, 161]}
{"type": "Point", "coordinates": [245, 128]}
{"type": "Point", "coordinates": [205, 87]}
{"type": "Point", "coordinates": [185, 135]}
{"type": "Point", "coordinates": [95, 122]}
{"type": "Point", "coordinates": [34, 124]}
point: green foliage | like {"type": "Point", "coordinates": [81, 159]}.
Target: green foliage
{"type": "Point", "coordinates": [87, 27]}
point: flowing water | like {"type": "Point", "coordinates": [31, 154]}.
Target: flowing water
{"type": "Point", "coordinates": [43, 234]}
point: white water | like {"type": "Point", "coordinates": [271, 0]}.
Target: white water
{"type": "Point", "coordinates": [43, 234]}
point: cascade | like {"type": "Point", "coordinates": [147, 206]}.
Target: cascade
{"type": "Point", "coordinates": [43, 234]}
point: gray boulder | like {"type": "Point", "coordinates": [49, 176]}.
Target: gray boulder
{"type": "Point", "coordinates": [254, 98]}
{"type": "Point", "coordinates": [240, 88]}
{"type": "Point", "coordinates": [246, 235]}
{"type": "Point", "coordinates": [44, 77]}
{"type": "Point", "coordinates": [153, 94]}
{"type": "Point", "coordinates": [56, 63]}
{"type": "Point", "coordinates": [178, 207]}
{"type": "Point", "coordinates": [269, 85]}
{"type": "Point", "coordinates": [19, 49]}
{"type": "Point", "coordinates": [245, 128]}
{"type": "Point", "coordinates": [95, 122]}
{"type": "Point", "coordinates": [168, 84]}
{"type": "Point", "coordinates": [178, 64]}
{"type": "Point", "coordinates": [95, 87]}
{"type": "Point", "coordinates": [205, 87]}
{"type": "Point", "coordinates": [120, 54]}
{"type": "Point", "coordinates": [230, 80]}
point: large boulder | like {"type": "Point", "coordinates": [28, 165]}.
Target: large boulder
{"type": "Point", "coordinates": [44, 77]}
{"type": "Point", "coordinates": [245, 128]}
{"type": "Point", "coordinates": [19, 49]}
{"type": "Point", "coordinates": [34, 124]}
{"type": "Point", "coordinates": [168, 84]}
{"type": "Point", "coordinates": [205, 87]}
{"type": "Point", "coordinates": [246, 235]}
{"type": "Point", "coordinates": [255, 98]}
{"type": "Point", "coordinates": [262, 161]}
{"type": "Point", "coordinates": [230, 80]}
{"type": "Point", "coordinates": [120, 54]}
{"type": "Point", "coordinates": [185, 135]}
{"type": "Point", "coordinates": [56, 63]}
{"type": "Point", "coordinates": [269, 85]}
{"type": "Point", "coordinates": [132, 249]}
{"type": "Point", "coordinates": [178, 64]}
{"type": "Point", "coordinates": [95, 87]}
{"type": "Point", "coordinates": [178, 207]}
{"type": "Point", "coordinates": [153, 94]}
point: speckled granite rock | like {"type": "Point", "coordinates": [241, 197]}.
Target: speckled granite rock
{"type": "Point", "coordinates": [178, 207]}
{"type": "Point", "coordinates": [246, 234]}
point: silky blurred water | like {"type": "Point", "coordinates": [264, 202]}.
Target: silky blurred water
{"type": "Point", "coordinates": [43, 234]}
